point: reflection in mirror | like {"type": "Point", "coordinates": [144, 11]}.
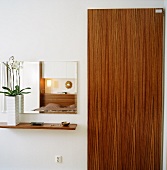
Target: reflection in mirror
{"type": "Point", "coordinates": [68, 84]}
{"type": "Point", "coordinates": [49, 93]}
{"type": "Point", "coordinates": [30, 78]}
{"type": "Point", "coordinates": [55, 97]}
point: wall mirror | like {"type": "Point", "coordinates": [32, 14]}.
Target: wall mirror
{"type": "Point", "coordinates": [53, 87]}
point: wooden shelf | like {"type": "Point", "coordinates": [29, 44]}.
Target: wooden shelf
{"type": "Point", "coordinates": [54, 126]}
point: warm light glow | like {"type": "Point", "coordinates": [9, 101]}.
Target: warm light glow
{"type": "Point", "coordinates": [48, 83]}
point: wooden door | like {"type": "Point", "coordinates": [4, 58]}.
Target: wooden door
{"type": "Point", "coordinates": [125, 48]}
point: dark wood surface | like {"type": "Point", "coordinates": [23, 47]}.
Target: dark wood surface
{"type": "Point", "coordinates": [125, 49]}
{"type": "Point", "coordinates": [62, 99]}
{"type": "Point", "coordinates": [54, 126]}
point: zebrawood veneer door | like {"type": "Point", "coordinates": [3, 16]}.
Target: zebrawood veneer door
{"type": "Point", "coordinates": [124, 89]}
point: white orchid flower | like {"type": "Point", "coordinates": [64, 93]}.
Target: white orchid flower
{"type": "Point", "coordinates": [13, 73]}
{"type": "Point", "coordinates": [16, 65]}
{"type": "Point", "coordinates": [21, 64]}
{"type": "Point", "coordinates": [11, 61]}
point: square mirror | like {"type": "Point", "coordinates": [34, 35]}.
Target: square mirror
{"type": "Point", "coordinates": [53, 87]}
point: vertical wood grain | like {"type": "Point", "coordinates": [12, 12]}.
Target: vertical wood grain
{"type": "Point", "coordinates": [42, 86]}
{"type": "Point", "coordinates": [124, 89]}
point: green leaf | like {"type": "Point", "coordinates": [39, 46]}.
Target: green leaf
{"type": "Point", "coordinates": [6, 93]}
{"type": "Point", "coordinates": [28, 88]}
{"type": "Point", "coordinates": [6, 88]}
{"type": "Point", "coordinates": [25, 92]}
{"type": "Point", "coordinates": [17, 87]}
{"type": "Point", "coordinates": [14, 92]}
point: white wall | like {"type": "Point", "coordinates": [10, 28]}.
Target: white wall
{"type": "Point", "coordinates": [34, 30]}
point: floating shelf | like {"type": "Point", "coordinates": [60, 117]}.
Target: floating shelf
{"type": "Point", "coordinates": [54, 126]}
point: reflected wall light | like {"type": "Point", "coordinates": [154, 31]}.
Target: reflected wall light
{"type": "Point", "coordinates": [68, 84]}
{"type": "Point", "coordinates": [48, 83]}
